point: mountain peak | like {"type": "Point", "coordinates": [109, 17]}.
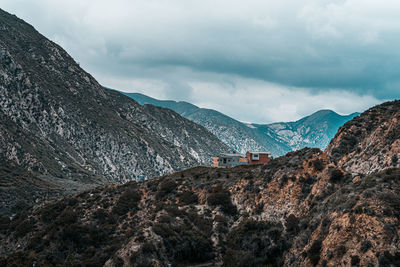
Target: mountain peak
{"type": "Point", "coordinates": [323, 112]}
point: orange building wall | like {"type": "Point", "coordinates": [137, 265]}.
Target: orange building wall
{"type": "Point", "coordinates": [243, 160]}
{"type": "Point", "coordinates": [215, 161]}
{"type": "Point", "coordinates": [264, 158]}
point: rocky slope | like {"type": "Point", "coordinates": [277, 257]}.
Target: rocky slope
{"type": "Point", "coordinates": [303, 209]}
{"type": "Point", "coordinates": [315, 130]}
{"type": "Point", "coordinates": [66, 132]}
{"type": "Point", "coordinates": [369, 142]}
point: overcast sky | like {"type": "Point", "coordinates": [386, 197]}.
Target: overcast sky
{"type": "Point", "coordinates": [257, 61]}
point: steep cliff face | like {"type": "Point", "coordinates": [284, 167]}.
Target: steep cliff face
{"type": "Point", "coordinates": [370, 142]}
{"type": "Point", "coordinates": [57, 122]}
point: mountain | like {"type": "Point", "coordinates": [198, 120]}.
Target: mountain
{"type": "Point", "coordinates": [369, 142]}
{"type": "Point", "coordinates": [237, 135]}
{"type": "Point", "coordinates": [315, 130]}
{"type": "Point", "coordinates": [60, 131]}
{"type": "Point", "coordinates": [306, 208]}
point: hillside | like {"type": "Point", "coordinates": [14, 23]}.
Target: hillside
{"type": "Point", "coordinates": [302, 209]}
{"type": "Point", "coordinates": [369, 142]}
{"type": "Point", "coordinates": [65, 132]}
{"type": "Point", "coordinates": [315, 130]}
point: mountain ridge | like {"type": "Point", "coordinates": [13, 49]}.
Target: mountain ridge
{"type": "Point", "coordinates": [277, 138]}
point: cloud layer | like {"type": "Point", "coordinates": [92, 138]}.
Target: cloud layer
{"type": "Point", "coordinates": [279, 59]}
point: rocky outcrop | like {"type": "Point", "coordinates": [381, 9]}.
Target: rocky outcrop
{"type": "Point", "coordinates": [370, 142]}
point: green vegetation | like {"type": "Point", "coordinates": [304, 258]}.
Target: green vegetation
{"type": "Point", "coordinates": [255, 243]}
{"type": "Point", "coordinates": [220, 196]}
{"type": "Point", "coordinates": [184, 244]}
{"type": "Point", "coordinates": [314, 252]}
{"type": "Point", "coordinates": [336, 176]}
{"type": "Point", "coordinates": [128, 201]}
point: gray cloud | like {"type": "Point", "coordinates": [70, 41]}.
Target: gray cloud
{"type": "Point", "coordinates": [169, 48]}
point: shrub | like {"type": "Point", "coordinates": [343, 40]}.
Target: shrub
{"type": "Point", "coordinates": [203, 224]}
{"type": "Point", "coordinates": [336, 176]}
{"type": "Point", "coordinates": [255, 243]}
{"type": "Point", "coordinates": [355, 260]}
{"type": "Point", "coordinates": [118, 262]}
{"type": "Point", "coordinates": [352, 219]}
{"type": "Point", "coordinates": [127, 201]}
{"type": "Point", "coordinates": [365, 246]}
{"type": "Point", "coordinates": [318, 165]}
{"type": "Point", "coordinates": [81, 237]}
{"type": "Point", "coordinates": [349, 204]}
{"type": "Point", "coordinates": [4, 223]}
{"type": "Point", "coordinates": [387, 259]}
{"type": "Point", "coordinates": [395, 159]}
{"type": "Point", "coordinates": [136, 260]}
{"type": "Point", "coordinates": [392, 202]}
{"type": "Point", "coordinates": [292, 223]}
{"type": "Point", "coordinates": [101, 216]}
{"type": "Point", "coordinates": [220, 196]}
{"type": "Point", "coordinates": [165, 187]}
{"type": "Point", "coordinates": [21, 205]}
{"type": "Point", "coordinates": [165, 218]}
{"type": "Point", "coordinates": [184, 244]}
{"type": "Point", "coordinates": [51, 211]}
{"type": "Point", "coordinates": [325, 225]}
{"type": "Point", "coordinates": [188, 197]}
{"type": "Point", "coordinates": [24, 228]}
{"type": "Point", "coordinates": [175, 211]}
{"type": "Point", "coordinates": [259, 208]}
{"type": "Point", "coordinates": [341, 250]}
{"type": "Point", "coordinates": [284, 181]}
{"type": "Point", "coordinates": [148, 248]}
{"type": "Point", "coordinates": [68, 216]}
{"type": "Point", "coordinates": [314, 252]}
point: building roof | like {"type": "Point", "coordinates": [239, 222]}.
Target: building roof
{"type": "Point", "coordinates": [258, 152]}
{"type": "Point", "coordinates": [231, 155]}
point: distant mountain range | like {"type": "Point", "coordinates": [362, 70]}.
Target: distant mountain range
{"type": "Point", "coordinates": [279, 138]}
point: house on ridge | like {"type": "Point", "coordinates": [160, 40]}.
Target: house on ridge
{"type": "Point", "coordinates": [235, 159]}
